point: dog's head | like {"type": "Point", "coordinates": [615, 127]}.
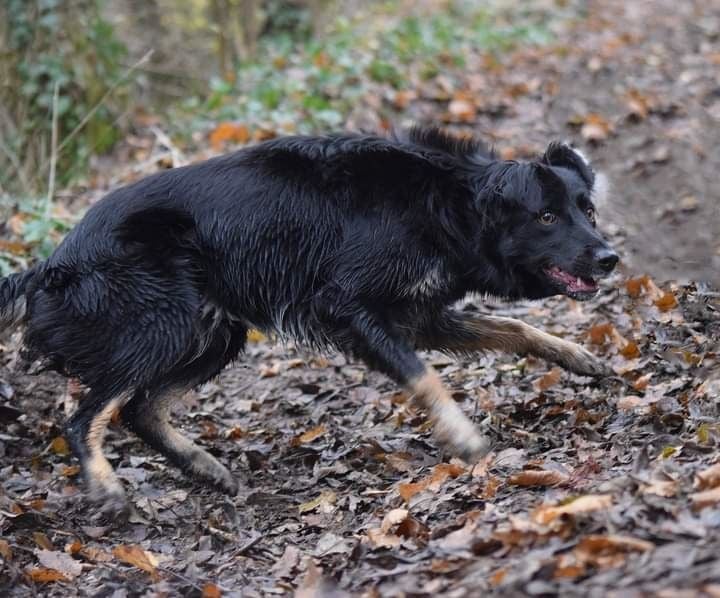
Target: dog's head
{"type": "Point", "coordinates": [543, 222]}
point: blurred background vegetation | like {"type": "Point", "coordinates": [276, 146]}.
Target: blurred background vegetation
{"type": "Point", "coordinates": [79, 76]}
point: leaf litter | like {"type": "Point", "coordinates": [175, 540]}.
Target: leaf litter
{"type": "Point", "coordinates": [591, 486]}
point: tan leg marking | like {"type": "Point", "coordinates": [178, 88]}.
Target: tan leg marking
{"type": "Point", "coordinates": [491, 333]}
{"type": "Point", "coordinates": [450, 425]}
{"type": "Point", "coordinates": [180, 449]}
{"type": "Point", "coordinates": [99, 473]}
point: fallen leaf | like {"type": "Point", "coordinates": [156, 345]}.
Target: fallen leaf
{"type": "Point", "coordinates": [40, 575]}
{"type": "Point", "coordinates": [43, 541]}
{"type": "Point", "coordinates": [228, 131]}
{"type": "Point", "coordinates": [548, 380]}
{"type": "Point", "coordinates": [134, 555]}
{"type": "Point", "coordinates": [595, 544]}
{"type": "Point", "coordinates": [595, 127]}
{"type": "Point", "coordinates": [666, 488]}
{"type": "Point", "coordinates": [210, 590]}
{"type": "Point", "coordinates": [60, 446]}
{"type": "Point", "coordinates": [706, 498]}
{"type": "Point", "coordinates": [538, 477]}
{"type": "Point", "coordinates": [308, 436]}
{"type": "Point", "coordinates": [59, 561]}
{"type": "Point", "coordinates": [666, 302]}
{"type": "Point", "coordinates": [630, 350]}
{"type": "Point", "coordinates": [708, 478]}
{"type": "Point", "coordinates": [5, 550]}
{"type": "Point", "coordinates": [325, 502]}
{"type": "Point", "coordinates": [584, 504]}
{"type": "Point", "coordinates": [382, 537]}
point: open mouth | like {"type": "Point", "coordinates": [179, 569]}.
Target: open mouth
{"type": "Point", "coordinates": [571, 285]}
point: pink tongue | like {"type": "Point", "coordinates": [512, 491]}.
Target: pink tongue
{"type": "Point", "coordinates": [573, 282]}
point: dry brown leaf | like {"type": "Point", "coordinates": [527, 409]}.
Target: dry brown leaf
{"type": "Point", "coordinates": [595, 544]}
{"type": "Point", "coordinates": [584, 504]}
{"type": "Point", "coordinates": [548, 380]}
{"type": "Point", "coordinates": [636, 286]}
{"type": "Point", "coordinates": [228, 131]}
{"type": "Point", "coordinates": [440, 473]}
{"type": "Point", "coordinates": [706, 498]}
{"type": "Point", "coordinates": [630, 350]}
{"type": "Point", "coordinates": [210, 590]}
{"type": "Point", "coordinates": [5, 550]}
{"type": "Point", "coordinates": [497, 577]}
{"type": "Point", "coordinates": [595, 127]}
{"type": "Point", "coordinates": [641, 382]}
{"type": "Point", "coordinates": [134, 555]}
{"type": "Point", "coordinates": [325, 502]}
{"type": "Point", "coordinates": [491, 487]}
{"type": "Point", "coordinates": [601, 333]}
{"type": "Point", "coordinates": [538, 477]}
{"type": "Point", "coordinates": [666, 302]}
{"type": "Point", "coordinates": [270, 371]}
{"type": "Point", "coordinates": [308, 436]}
{"type": "Point", "coordinates": [666, 488]}
{"type": "Point", "coordinates": [638, 104]}
{"type": "Point", "coordinates": [382, 537]}
{"type": "Point", "coordinates": [59, 561]}
{"type": "Point", "coordinates": [60, 446]}
{"type": "Point", "coordinates": [43, 541]}
{"type": "Point", "coordinates": [708, 478]}
{"type": "Point", "coordinates": [462, 109]}
{"type": "Point", "coordinates": [42, 575]}
{"type": "Point", "coordinates": [407, 491]}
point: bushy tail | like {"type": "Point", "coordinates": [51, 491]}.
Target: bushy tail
{"type": "Point", "coordinates": [12, 297]}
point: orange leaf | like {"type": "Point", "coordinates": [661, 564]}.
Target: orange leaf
{"type": "Point", "coordinates": [585, 504]}
{"type": "Point", "coordinates": [600, 333]}
{"type": "Point", "coordinates": [407, 491]}
{"type": "Point", "coordinates": [635, 286]}
{"type": "Point", "coordinates": [630, 350]}
{"type": "Point", "coordinates": [641, 383]}
{"type": "Point", "coordinates": [538, 477]}
{"type": "Point", "coordinates": [43, 541]}
{"type": "Point", "coordinates": [595, 127]}
{"type": "Point", "coordinates": [309, 436]}
{"type": "Point", "coordinates": [595, 544]}
{"type": "Point", "coordinates": [497, 577]}
{"type": "Point", "coordinates": [5, 550]}
{"type": "Point", "coordinates": [60, 446]}
{"type": "Point", "coordinates": [210, 590]}
{"type": "Point", "coordinates": [666, 302]}
{"type": "Point", "coordinates": [42, 575]}
{"type": "Point", "coordinates": [548, 380]}
{"type": "Point", "coordinates": [134, 555]}
{"type": "Point", "coordinates": [228, 131]}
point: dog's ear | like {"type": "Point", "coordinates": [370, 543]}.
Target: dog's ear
{"type": "Point", "coordinates": [565, 156]}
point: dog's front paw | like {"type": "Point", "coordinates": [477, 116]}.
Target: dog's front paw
{"type": "Point", "coordinates": [580, 361]}
{"type": "Point", "coordinates": [460, 436]}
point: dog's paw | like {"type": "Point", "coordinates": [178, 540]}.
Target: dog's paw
{"type": "Point", "coordinates": [580, 361]}
{"type": "Point", "coordinates": [460, 437]}
{"type": "Point", "coordinates": [109, 505]}
{"type": "Point", "coordinates": [227, 484]}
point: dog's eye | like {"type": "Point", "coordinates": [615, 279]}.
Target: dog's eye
{"type": "Point", "coordinates": [590, 213]}
{"type": "Point", "coordinates": [547, 218]}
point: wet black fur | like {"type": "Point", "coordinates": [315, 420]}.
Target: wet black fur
{"type": "Point", "coordinates": [355, 242]}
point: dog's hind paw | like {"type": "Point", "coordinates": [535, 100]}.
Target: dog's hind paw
{"type": "Point", "coordinates": [110, 505]}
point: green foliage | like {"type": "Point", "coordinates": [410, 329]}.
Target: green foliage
{"type": "Point", "coordinates": [306, 83]}
{"type": "Point", "coordinates": [68, 44]}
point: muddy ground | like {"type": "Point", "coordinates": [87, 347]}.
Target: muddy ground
{"type": "Point", "coordinates": [594, 487]}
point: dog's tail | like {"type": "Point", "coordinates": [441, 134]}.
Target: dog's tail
{"type": "Point", "coordinates": [12, 297]}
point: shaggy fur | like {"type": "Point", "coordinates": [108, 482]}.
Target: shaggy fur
{"type": "Point", "coordinates": [358, 243]}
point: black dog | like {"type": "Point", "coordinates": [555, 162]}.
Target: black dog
{"type": "Point", "coordinates": [358, 243]}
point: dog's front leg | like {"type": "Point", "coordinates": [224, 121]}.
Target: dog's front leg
{"type": "Point", "coordinates": [456, 332]}
{"type": "Point", "coordinates": [383, 351]}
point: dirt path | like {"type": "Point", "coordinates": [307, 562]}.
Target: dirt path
{"type": "Point", "coordinates": [593, 487]}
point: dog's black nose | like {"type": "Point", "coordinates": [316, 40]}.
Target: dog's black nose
{"type": "Point", "coordinates": [606, 259]}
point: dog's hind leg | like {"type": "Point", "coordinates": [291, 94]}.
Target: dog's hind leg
{"type": "Point", "coordinates": [386, 352]}
{"type": "Point", "coordinates": [85, 431]}
{"type": "Point", "coordinates": [148, 415]}
{"type": "Point", "coordinates": [456, 332]}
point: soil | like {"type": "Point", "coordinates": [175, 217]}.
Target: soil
{"type": "Point", "coordinates": [593, 488]}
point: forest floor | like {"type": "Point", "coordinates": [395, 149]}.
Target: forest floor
{"type": "Point", "coordinates": [593, 488]}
